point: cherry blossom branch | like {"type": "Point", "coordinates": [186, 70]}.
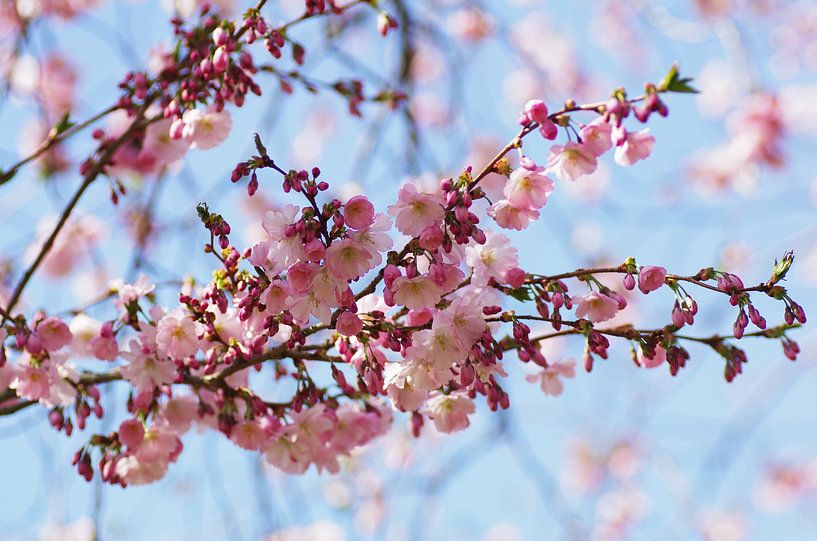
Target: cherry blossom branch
{"type": "Point", "coordinates": [56, 136]}
{"type": "Point", "coordinates": [92, 173]}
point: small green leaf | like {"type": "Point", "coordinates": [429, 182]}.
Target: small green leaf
{"type": "Point", "coordinates": [521, 294]}
{"type": "Point", "coordinates": [673, 82]}
{"type": "Point", "coordinates": [260, 146]}
{"type": "Point", "coordinates": [63, 125]}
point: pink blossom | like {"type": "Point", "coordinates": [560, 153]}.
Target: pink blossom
{"type": "Point", "coordinates": [375, 237]}
{"type": "Point", "coordinates": [596, 307]}
{"type": "Point", "coordinates": [347, 259]}
{"type": "Point", "coordinates": [53, 333]}
{"type": "Point", "coordinates": [492, 259]}
{"type": "Point", "coordinates": [31, 383]}
{"type": "Point", "coordinates": [449, 411]}
{"type": "Point", "coordinates": [56, 86]}
{"type": "Point", "coordinates": [415, 211]}
{"type": "Point", "coordinates": [7, 373]}
{"type": "Point", "coordinates": [177, 336]}
{"type": "Point", "coordinates": [140, 472]}
{"type": "Point", "coordinates": [637, 146]}
{"type": "Point", "coordinates": [131, 433]}
{"type": "Point", "coordinates": [162, 147]}
{"type": "Point", "coordinates": [515, 277]}
{"type": "Point", "coordinates": [447, 277]}
{"type": "Point", "coordinates": [465, 319]}
{"type": "Point", "coordinates": [249, 435]}
{"type": "Point", "coordinates": [571, 161]}
{"type": "Point", "coordinates": [596, 136]}
{"type": "Point", "coordinates": [143, 370]}
{"type": "Point", "coordinates": [221, 59]}
{"type": "Point", "coordinates": [550, 377]}
{"type": "Point", "coordinates": [511, 216]}
{"type": "Point", "coordinates": [75, 241]}
{"type": "Point", "coordinates": [300, 276]}
{"type": "Point", "coordinates": [358, 212]}
{"type": "Point", "coordinates": [206, 129]}
{"type": "Point", "coordinates": [651, 278]}
{"type": "Point", "coordinates": [180, 412]}
{"type": "Point", "coordinates": [83, 329]}
{"type": "Point", "coordinates": [528, 187]}
{"type": "Point", "coordinates": [658, 358]}
{"type": "Point", "coordinates": [536, 111]}
{"type": "Point", "coordinates": [104, 346]}
{"type": "Point", "coordinates": [158, 444]}
{"type": "Point", "coordinates": [397, 381]}
{"type": "Point", "coordinates": [416, 293]}
{"type": "Point", "coordinates": [349, 324]}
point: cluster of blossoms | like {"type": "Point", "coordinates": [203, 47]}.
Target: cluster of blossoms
{"type": "Point", "coordinates": [427, 334]}
{"type": "Point", "coordinates": [756, 134]}
{"type": "Point", "coordinates": [528, 185]}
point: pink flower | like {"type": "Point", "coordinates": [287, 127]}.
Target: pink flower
{"type": "Point", "coordinates": [596, 307]}
{"type": "Point", "coordinates": [528, 187]}
{"type": "Point", "coordinates": [221, 59]}
{"type": "Point", "coordinates": [206, 129]}
{"type": "Point", "coordinates": [465, 318]}
{"type": "Point", "coordinates": [596, 136]}
{"type": "Point", "coordinates": [550, 378]}
{"type": "Point", "coordinates": [375, 237]}
{"type": "Point", "coordinates": [300, 275]}
{"type": "Point", "coordinates": [179, 413]}
{"type": "Point", "coordinates": [651, 278]}
{"type": "Point", "coordinates": [415, 211]}
{"type": "Point", "coordinates": [131, 433]}
{"type": "Point", "coordinates": [177, 336]}
{"type": "Point", "coordinates": [571, 161]}
{"type": "Point", "coordinates": [158, 444]}
{"type": "Point", "coordinates": [160, 144]}
{"type": "Point", "coordinates": [143, 370]}
{"type": "Point", "coordinates": [515, 277]}
{"type": "Point", "coordinates": [358, 212]}
{"type": "Point", "coordinates": [511, 216]}
{"type": "Point", "coordinates": [655, 361]}
{"type": "Point", "coordinates": [492, 259]}
{"type": "Point", "coordinates": [637, 146]}
{"type": "Point", "coordinates": [416, 293]}
{"type": "Point", "coordinates": [347, 259]}
{"type": "Point", "coordinates": [349, 324]}
{"type": "Point", "coordinates": [78, 237]}
{"type": "Point", "coordinates": [249, 435]}
{"type": "Point", "coordinates": [103, 346]}
{"type": "Point", "coordinates": [397, 381]}
{"type": "Point", "coordinates": [53, 333]}
{"type": "Point", "coordinates": [84, 329]}
{"type": "Point", "coordinates": [140, 472]}
{"type": "Point", "coordinates": [536, 111]}
{"type": "Point", "coordinates": [31, 383]}
{"type": "Point", "coordinates": [449, 411]}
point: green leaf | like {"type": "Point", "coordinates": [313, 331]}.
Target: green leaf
{"type": "Point", "coordinates": [63, 125]}
{"type": "Point", "coordinates": [262, 150]}
{"type": "Point", "coordinates": [521, 294]}
{"type": "Point", "coordinates": [673, 82]}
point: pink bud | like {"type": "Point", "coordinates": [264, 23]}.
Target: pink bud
{"type": "Point", "coordinates": [349, 324]}
{"type": "Point", "coordinates": [651, 278]}
{"type": "Point", "coordinates": [515, 277]}
{"type": "Point", "coordinates": [221, 59]}
{"type": "Point", "coordinates": [537, 111]}
{"type": "Point", "coordinates": [219, 36]}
